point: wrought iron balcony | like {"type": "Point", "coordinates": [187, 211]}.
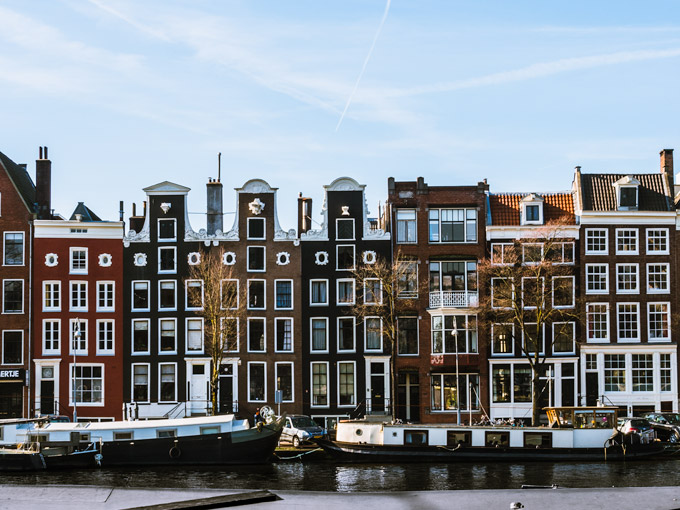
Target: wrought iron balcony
{"type": "Point", "coordinates": [453, 299]}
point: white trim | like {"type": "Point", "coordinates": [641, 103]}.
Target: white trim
{"type": "Point", "coordinates": [618, 323]}
{"type": "Point", "coordinates": [366, 348]}
{"type": "Point", "coordinates": [22, 342]}
{"type": "Point", "coordinates": [53, 351]}
{"type": "Point", "coordinates": [292, 379]}
{"type": "Point", "coordinates": [186, 294]}
{"type": "Point", "coordinates": [158, 231]}
{"type": "Point", "coordinates": [160, 365]}
{"type": "Point", "coordinates": [337, 257]}
{"type": "Point", "coordinates": [132, 296]}
{"type": "Point", "coordinates": [667, 290]}
{"type": "Point", "coordinates": [292, 296]}
{"type": "Point", "coordinates": [511, 340]}
{"type": "Point", "coordinates": [668, 322]}
{"type": "Point", "coordinates": [605, 276]}
{"type": "Point", "coordinates": [71, 380]}
{"type": "Point", "coordinates": [606, 241]}
{"type": "Point", "coordinates": [161, 352]}
{"type": "Point", "coordinates": [238, 334]}
{"type": "Point", "coordinates": [71, 250]}
{"type": "Point", "coordinates": [573, 292]}
{"type": "Point", "coordinates": [354, 334]}
{"type": "Point", "coordinates": [263, 363]}
{"type": "Point", "coordinates": [337, 291]}
{"type": "Point", "coordinates": [264, 229]}
{"type": "Point", "coordinates": [607, 338]}
{"type": "Point", "coordinates": [573, 339]}
{"type": "Point", "coordinates": [148, 382]}
{"type": "Point", "coordinates": [542, 278]}
{"type": "Point", "coordinates": [174, 259]}
{"type": "Point", "coordinates": [83, 328]}
{"type": "Point", "coordinates": [264, 334]}
{"type": "Point", "coordinates": [618, 233]}
{"type": "Point", "coordinates": [311, 335]}
{"type": "Point", "coordinates": [524, 346]}
{"type": "Point", "coordinates": [354, 384]}
{"type": "Point", "coordinates": [380, 296]}
{"type": "Point", "coordinates": [264, 294]}
{"type": "Point", "coordinates": [187, 350]}
{"type": "Point", "coordinates": [148, 337]}
{"type": "Point", "coordinates": [311, 303]}
{"type": "Point", "coordinates": [111, 308]}
{"type": "Point", "coordinates": [492, 293]}
{"type": "Point", "coordinates": [172, 308]}
{"type": "Point", "coordinates": [105, 352]}
{"type": "Point", "coordinates": [659, 252]}
{"type": "Point", "coordinates": [238, 295]}
{"type": "Point", "coordinates": [354, 232]}
{"type": "Point", "coordinates": [79, 307]}
{"type": "Point", "coordinates": [636, 274]}
{"type": "Point", "coordinates": [311, 384]}
{"type": "Point", "coordinates": [264, 259]}
{"type": "Point", "coordinates": [292, 334]}
{"type": "Point", "coordinates": [23, 248]}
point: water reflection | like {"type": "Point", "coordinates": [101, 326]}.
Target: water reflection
{"type": "Point", "coordinates": [326, 476]}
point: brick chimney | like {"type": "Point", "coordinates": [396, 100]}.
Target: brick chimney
{"type": "Point", "coordinates": [667, 167]}
{"type": "Point", "coordinates": [214, 222]}
{"type": "Point", "coordinates": [43, 185]}
{"type": "Point", "coordinates": [304, 214]}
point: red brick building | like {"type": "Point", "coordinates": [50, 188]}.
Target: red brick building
{"type": "Point", "coordinates": [17, 205]}
{"type": "Point", "coordinates": [77, 317]}
{"type": "Point", "coordinates": [440, 230]}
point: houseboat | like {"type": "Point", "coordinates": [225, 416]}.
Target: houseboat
{"type": "Point", "coordinates": [207, 440]}
{"type": "Point", "coordinates": [573, 434]}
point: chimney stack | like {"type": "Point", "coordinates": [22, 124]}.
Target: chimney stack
{"type": "Point", "coordinates": [666, 157]}
{"type": "Point", "coordinates": [43, 185]}
{"type": "Point", "coordinates": [214, 221]}
{"type": "Point", "coordinates": [304, 214]}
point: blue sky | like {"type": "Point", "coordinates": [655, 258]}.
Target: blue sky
{"type": "Point", "coordinates": [128, 93]}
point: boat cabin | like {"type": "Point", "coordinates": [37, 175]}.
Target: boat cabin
{"type": "Point", "coordinates": [596, 417]}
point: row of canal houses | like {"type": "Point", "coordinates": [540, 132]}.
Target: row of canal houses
{"type": "Point", "coordinates": [97, 321]}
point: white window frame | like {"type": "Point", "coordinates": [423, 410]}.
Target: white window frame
{"type": "Point", "coordinates": [619, 232]}
{"type": "Point", "coordinates": [167, 248]}
{"type": "Point", "coordinates": [417, 353]}
{"type": "Point", "coordinates": [292, 334]}
{"type": "Point", "coordinates": [50, 305]}
{"type": "Point", "coordinates": [492, 294]}
{"type": "Point", "coordinates": [79, 308]}
{"type": "Point", "coordinates": [524, 254]}
{"type": "Point", "coordinates": [562, 245]}
{"type": "Point", "coordinates": [83, 325]}
{"type": "Point", "coordinates": [465, 225]}
{"type": "Point", "coordinates": [187, 283]}
{"type": "Point", "coordinates": [23, 296]}
{"type": "Point", "coordinates": [71, 251]}
{"type": "Point", "coordinates": [187, 350]}
{"type": "Point", "coordinates": [511, 340]}
{"type": "Point", "coordinates": [264, 299]}
{"type": "Point", "coordinates": [589, 232]}
{"type": "Point", "coordinates": [573, 292]}
{"type": "Point", "coordinates": [53, 350]}
{"type": "Point", "coordinates": [104, 284]}
{"type": "Point", "coordinates": [667, 290]}
{"type": "Point", "coordinates": [337, 291]}
{"type": "Point", "coordinates": [657, 252]}
{"type": "Point", "coordinates": [337, 257]}
{"type": "Point", "coordinates": [264, 229]}
{"type": "Point", "coordinates": [619, 267]}
{"type": "Point", "coordinates": [264, 260]}
{"type": "Point", "coordinates": [354, 230]}
{"type": "Point", "coordinates": [542, 278]}
{"type": "Point", "coordinates": [160, 374]}
{"type": "Point", "coordinates": [311, 385]}
{"type": "Point", "coordinates": [292, 380]}
{"type": "Point", "coordinates": [23, 248]}
{"type": "Point", "coordinates": [599, 275]}
{"type": "Point", "coordinates": [167, 308]}
{"type": "Point", "coordinates": [414, 220]}
{"type": "Point", "coordinates": [668, 322]}
{"type": "Point", "coordinates": [148, 339]}
{"type": "Point", "coordinates": [525, 206]}
{"type": "Point", "coordinates": [292, 294]}
{"type": "Point", "coordinates": [354, 394]}
{"type": "Point", "coordinates": [238, 333]}
{"type": "Point", "coordinates": [542, 351]}
{"type": "Point", "coordinates": [160, 336]}
{"type": "Point", "coordinates": [250, 364]}
{"type": "Point", "coordinates": [607, 313]}
{"type": "Point", "coordinates": [21, 332]}
{"type": "Point", "coordinates": [380, 292]}
{"type": "Point", "coordinates": [573, 338]}
{"type": "Point", "coordinates": [354, 334]}
{"type": "Point", "coordinates": [503, 247]}
{"type": "Point", "coordinates": [264, 345]}
{"type": "Point", "coordinates": [311, 335]}
{"type": "Point", "coordinates": [316, 280]}
{"type": "Point", "coordinates": [132, 296]}
{"type": "Point", "coordinates": [105, 351]}
{"type": "Point", "coordinates": [366, 348]}
{"type": "Point", "coordinates": [148, 382]}
{"type": "Point", "coordinates": [72, 378]}
{"type": "Point", "coordinates": [238, 295]}
{"type": "Point", "coordinates": [618, 323]}
{"type": "Point", "coordinates": [174, 228]}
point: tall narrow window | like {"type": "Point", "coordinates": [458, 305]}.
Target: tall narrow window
{"type": "Point", "coordinates": [319, 334]}
{"type": "Point", "coordinates": [658, 317]}
{"type": "Point", "coordinates": [78, 296]}
{"type": "Point", "coordinates": [194, 295]}
{"type": "Point", "coordinates": [14, 249]}
{"type": "Point", "coordinates": [229, 294]}
{"type": "Point", "coordinates": [346, 334]}
{"type": "Point", "coordinates": [13, 296]}
{"type": "Point", "coordinates": [12, 347]}
{"type": "Point", "coordinates": [168, 339]}
{"type": "Point", "coordinates": [284, 294]}
{"type": "Point", "coordinates": [78, 260]}
{"type": "Point", "coordinates": [51, 296]}
{"type": "Point", "coordinates": [105, 295]}
{"type": "Point", "coordinates": [140, 382]}
{"type": "Point", "coordinates": [373, 334]}
{"type": "Point", "coordinates": [78, 338]}
{"type": "Point", "coordinates": [614, 372]}
{"type": "Point", "coordinates": [319, 384]}
{"type": "Point", "coordinates": [407, 328]}
{"type": "Point", "coordinates": [256, 295]}
{"type": "Point", "coordinates": [256, 335]}
{"type": "Point", "coordinates": [284, 334]}
{"type": "Point", "coordinates": [194, 335]}
{"type": "Point", "coordinates": [167, 260]}
{"type": "Point", "coordinates": [167, 295]}
{"type": "Point", "coordinates": [257, 380]}
{"type": "Point", "coordinates": [284, 381]}
{"type": "Point", "coordinates": [345, 257]}
{"type": "Point", "coordinates": [167, 389]}
{"type": "Point", "coordinates": [140, 296]}
{"type": "Point", "coordinates": [597, 315]}
{"type": "Point", "coordinates": [318, 290]}
{"type": "Point", "coordinates": [105, 337]}
{"type": "Point", "coordinates": [346, 393]}
{"type": "Point", "coordinates": [256, 258]}
{"type": "Point", "coordinates": [628, 322]}
{"type": "Point", "coordinates": [406, 226]}
{"type": "Point", "coordinates": [140, 336]}
{"type": "Point", "coordinates": [51, 336]}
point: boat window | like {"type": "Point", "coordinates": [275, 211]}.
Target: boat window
{"type": "Point", "coordinates": [84, 437]}
{"type": "Point", "coordinates": [210, 430]}
{"type": "Point", "coordinates": [166, 433]}
{"type": "Point", "coordinates": [2, 433]}
{"type": "Point", "coordinates": [415, 437]}
{"type": "Point", "coordinates": [604, 419]}
{"type": "Point", "coordinates": [122, 435]}
{"type": "Point", "coordinates": [38, 438]}
{"type": "Point", "coordinates": [497, 439]}
{"type": "Point", "coordinates": [537, 440]}
{"type": "Point", "coordinates": [457, 437]}
{"type": "Point", "coordinates": [565, 417]}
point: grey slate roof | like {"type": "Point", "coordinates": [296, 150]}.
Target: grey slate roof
{"type": "Point", "coordinates": [85, 212]}
{"type": "Point", "coordinates": [23, 182]}
{"type": "Point", "coordinates": [599, 193]}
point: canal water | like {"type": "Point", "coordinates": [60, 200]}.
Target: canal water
{"type": "Point", "coordinates": [326, 476]}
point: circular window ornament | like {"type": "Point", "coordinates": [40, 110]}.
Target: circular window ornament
{"type": "Point", "coordinates": [369, 257]}
{"type": "Point", "coordinates": [51, 259]}
{"type": "Point", "coordinates": [359, 432]}
{"type": "Point", "coordinates": [105, 259]}
{"type": "Point", "coordinates": [140, 259]}
{"type": "Point", "coordinates": [321, 258]}
{"type": "Point", "coordinates": [229, 258]}
{"type": "Point", "coordinates": [194, 258]}
{"type": "Point", "coordinates": [283, 258]}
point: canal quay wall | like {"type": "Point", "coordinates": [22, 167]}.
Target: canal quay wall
{"type": "Point", "coordinates": [28, 497]}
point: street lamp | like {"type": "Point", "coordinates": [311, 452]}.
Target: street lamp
{"type": "Point", "coordinates": [455, 338]}
{"type": "Point", "coordinates": [76, 341]}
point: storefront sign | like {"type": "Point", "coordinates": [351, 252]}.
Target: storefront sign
{"type": "Point", "coordinates": [12, 375]}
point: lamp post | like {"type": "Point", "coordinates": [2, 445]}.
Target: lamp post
{"type": "Point", "coordinates": [76, 341]}
{"type": "Point", "coordinates": [455, 339]}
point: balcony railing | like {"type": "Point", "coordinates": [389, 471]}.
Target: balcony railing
{"type": "Point", "coordinates": [453, 299]}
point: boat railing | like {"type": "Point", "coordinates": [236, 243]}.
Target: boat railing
{"type": "Point", "coordinates": [180, 410]}
{"type": "Point", "coordinates": [371, 407]}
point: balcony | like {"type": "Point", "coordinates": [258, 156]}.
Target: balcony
{"type": "Point", "coordinates": [453, 299]}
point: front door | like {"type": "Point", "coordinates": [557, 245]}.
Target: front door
{"type": "Point", "coordinates": [47, 391]}
{"type": "Point", "coordinates": [377, 401]}
{"type": "Point", "coordinates": [199, 389]}
{"type": "Point", "coordinates": [408, 399]}
{"type": "Point", "coordinates": [225, 394]}
{"type": "Point", "coordinates": [592, 388]}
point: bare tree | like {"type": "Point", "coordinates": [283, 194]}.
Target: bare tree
{"type": "Point", "coordinates": [213, 289]}
{"type": "Point", "coordinates": [386, 290]}
{"type": "Point", "coordinates": [531, 288]}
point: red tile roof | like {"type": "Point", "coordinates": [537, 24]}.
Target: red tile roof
{"type": "Point", "coordinates": [505, 207]}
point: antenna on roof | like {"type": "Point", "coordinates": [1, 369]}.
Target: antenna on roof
{"type": "Point", "coordinates": [219, 166]}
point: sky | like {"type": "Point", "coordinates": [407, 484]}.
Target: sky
{"type": "Point", "coordinates": [130, 93]}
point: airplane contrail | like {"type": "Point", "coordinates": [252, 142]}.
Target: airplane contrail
{"type": "Point", "coordinates": [363, 68]}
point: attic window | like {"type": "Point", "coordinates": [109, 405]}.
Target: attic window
{"type": "Point", "coordinates": [628, 197]}
{"type": "Point", "coordinates": [627, 193]}
{"type": "Point", "coordinates": [532, 209]}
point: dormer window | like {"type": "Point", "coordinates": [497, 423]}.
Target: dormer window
{"type": "Point", "coordinates": [532, 209]}
{"type": "Point", "coordinates": [627, 193]}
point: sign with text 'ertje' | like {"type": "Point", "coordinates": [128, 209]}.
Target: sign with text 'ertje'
{"type": "Point", "coordinates": [12, 375]}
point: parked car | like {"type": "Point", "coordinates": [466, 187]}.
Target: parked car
{"type": "Point", "coordinates": [300, 429]}
{"type": "Point", "coordinates": [666, 425]}
{"type": "Point", "coordinates": [637, 429]}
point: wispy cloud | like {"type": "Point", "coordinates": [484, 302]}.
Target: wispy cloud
{"type": "Point", "coordinates": [539, 70]}
{"type": "Point", "coordinates": [130, 21]}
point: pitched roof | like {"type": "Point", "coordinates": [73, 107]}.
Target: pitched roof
{"type": "Point", "coordinates": [22, 181]}
{"type": "Point", "coordinates": [86, 214]}
{"type": "Point", "coordinates": [599, 194]}
{"type": "Point", "coordinates": [505, 207]}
